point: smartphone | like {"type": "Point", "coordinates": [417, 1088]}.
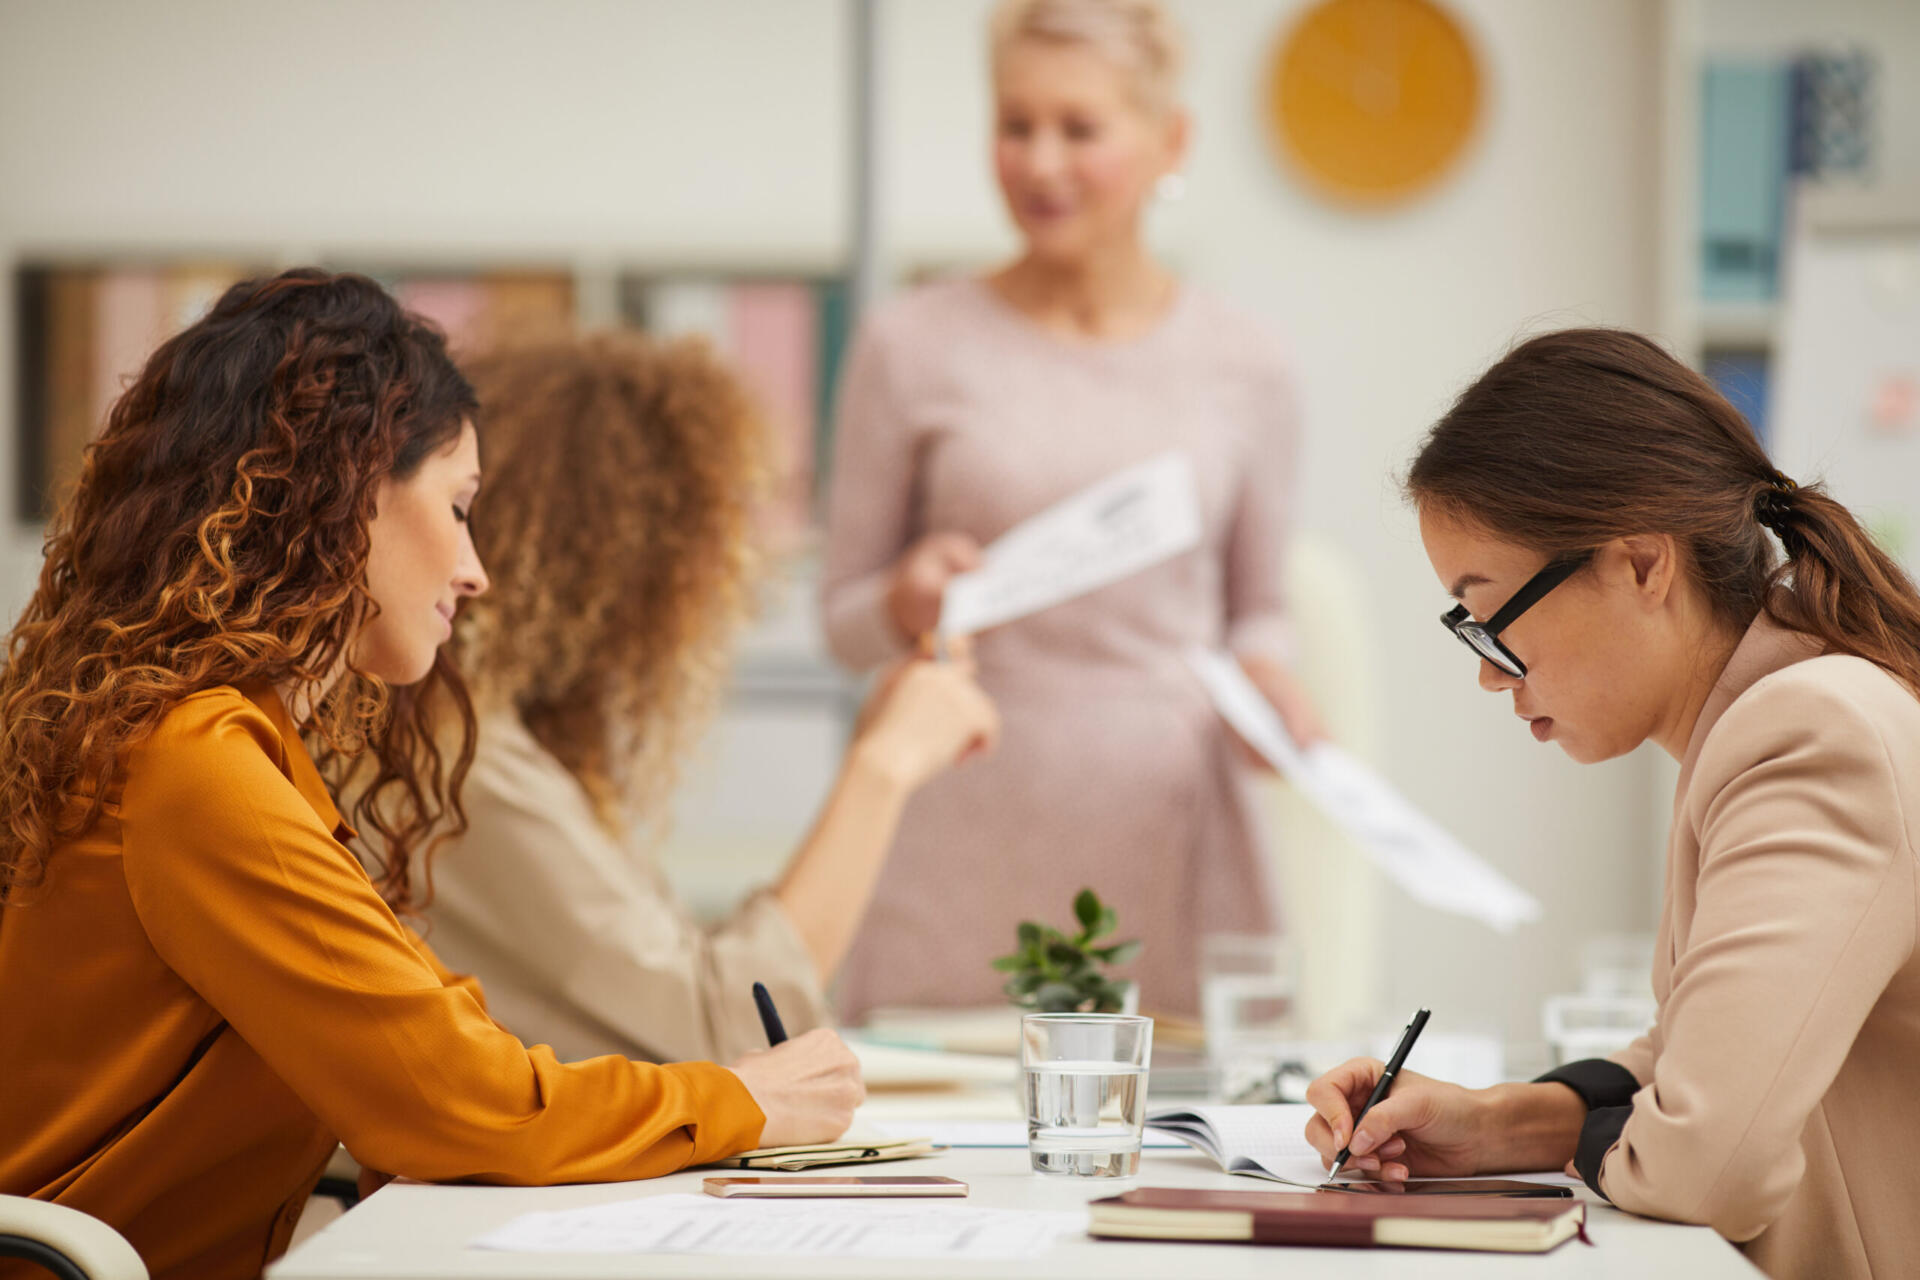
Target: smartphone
{"type": "Point", "coordinates": [1454, 1187]}
{"type": "Point", "coordinates": [845, 1186]}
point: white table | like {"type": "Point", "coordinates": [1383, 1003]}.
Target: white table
{"type": "Point", "coordinates": [413, 1231]}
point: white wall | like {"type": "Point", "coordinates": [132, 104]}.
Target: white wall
{"type": "Point", "coordinates": [714, 128]}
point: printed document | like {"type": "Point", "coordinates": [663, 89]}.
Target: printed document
{"type": "Point", "coordinates": [1408, 846]}
{"type": "Point", "coordinates": [1130, 521]}
{"type": "Point", "coordinates": [814, 1228]}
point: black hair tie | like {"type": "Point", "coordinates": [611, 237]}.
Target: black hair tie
{"type": "Point", "coordinates": [1774, 505]}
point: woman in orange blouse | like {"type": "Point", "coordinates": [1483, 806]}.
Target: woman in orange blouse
{"type": "Point", "coordinates": [200, 988]}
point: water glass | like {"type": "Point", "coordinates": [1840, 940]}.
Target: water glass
{"type": "Point", "coordinates": [1246, 999]}
{"type": "Point", "coordinates": [1085, 1077]}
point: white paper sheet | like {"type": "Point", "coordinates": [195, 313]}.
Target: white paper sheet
{"type": "Point", "coordinates": [1128, 522]}
{"type": "Point", "coordinates": [811, 1228]}
{"type": "Point", "coordinates": [1413, 851]}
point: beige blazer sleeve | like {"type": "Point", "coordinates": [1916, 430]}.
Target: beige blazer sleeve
{"type": "Point", "coordinates": [582, 943]}
{"type": "Point", "coordinates": [1804, 912]}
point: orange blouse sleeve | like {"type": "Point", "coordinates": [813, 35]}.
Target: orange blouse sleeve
{"type": "Point", "coordinates": [247, 896]}
{"type": "Point", "coordinates": [448, 978]}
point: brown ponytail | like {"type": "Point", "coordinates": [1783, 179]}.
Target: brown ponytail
{"type": "Point", "coordinates": [1579, 437]}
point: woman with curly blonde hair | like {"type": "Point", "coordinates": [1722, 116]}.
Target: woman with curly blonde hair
{"type": "Point", "coordinates": [201, 991]}
{"type": "Point", "coordinates": [618, 527]}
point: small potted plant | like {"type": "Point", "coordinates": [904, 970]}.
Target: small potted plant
{"type": "Point", "coordinates": [1054, 973]}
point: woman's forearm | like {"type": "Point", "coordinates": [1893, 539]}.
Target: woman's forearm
{"type": "Point", "coordinates": [830, 879]}
{"type": "Point", "coordinates": [1532, 1126]}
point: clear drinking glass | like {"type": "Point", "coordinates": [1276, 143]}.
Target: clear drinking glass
{"type": "Point", "coordinates": [1085, 1076]}
{"type": "Point", "coordinates": [1247, 993]}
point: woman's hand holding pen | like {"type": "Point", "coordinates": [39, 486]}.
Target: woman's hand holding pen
{"type": "Point", "coordinates": [920, 580]}
{"type": "Point", "coordinates": [806, 1087]}
{"type": "Point", "coordinates": [923, 718]}
{"type": "Point", "coordinates": [1425, 1128]}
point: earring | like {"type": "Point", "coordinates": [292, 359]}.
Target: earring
{"type": "Point", "coordinates": [1171, 186]}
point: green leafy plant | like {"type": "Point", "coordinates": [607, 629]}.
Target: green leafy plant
{"type": "Point", "coordinates": [1054, 973]}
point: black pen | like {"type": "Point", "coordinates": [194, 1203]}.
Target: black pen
{"type": "Point", "coordinates": [770, 1016]}
{"type": "Point", "coordinates": [1385, 1083]}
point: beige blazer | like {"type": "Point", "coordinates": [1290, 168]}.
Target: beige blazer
{"type": "Point", "coordinates": [579, 940]}
{"type": "Point", "coordinates": [1780, 1098]}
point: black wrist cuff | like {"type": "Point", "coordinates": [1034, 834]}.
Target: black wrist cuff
{"type": "Point", "coordinates": [1597, 1137]}
{"type": "Point", "coordinates": [1599, 1082]}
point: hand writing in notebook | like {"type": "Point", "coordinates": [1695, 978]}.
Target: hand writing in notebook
{"type": "Point", "coordinates": [1425, 1128]}
{"type": "Point", "coordinates": [1428, 1128]}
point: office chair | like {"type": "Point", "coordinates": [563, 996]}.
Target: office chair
{"type": "Point", "coordinates": [66, 1242]}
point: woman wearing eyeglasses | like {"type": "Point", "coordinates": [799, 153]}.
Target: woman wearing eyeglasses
{"type": "Point", "coordinates": [1608, 524]}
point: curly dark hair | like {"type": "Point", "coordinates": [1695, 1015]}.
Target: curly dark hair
{"type": "Point", "coordinates": [618, 534]}
{"type": "Point", "coordinates": [218, 535]}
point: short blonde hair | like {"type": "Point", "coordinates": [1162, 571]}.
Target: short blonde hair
{"type": "Point", "coordinates": [1137, 36]}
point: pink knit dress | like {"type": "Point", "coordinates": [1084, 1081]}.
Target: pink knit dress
{"type": "Point", "coordinates": [959, 413]}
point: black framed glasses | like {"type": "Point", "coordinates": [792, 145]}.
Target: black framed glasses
{"type": "Point", "coordinates": [1484, 637]}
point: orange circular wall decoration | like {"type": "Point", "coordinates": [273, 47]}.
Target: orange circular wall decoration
{"type": "Point", "coordinates": [1373, 100]}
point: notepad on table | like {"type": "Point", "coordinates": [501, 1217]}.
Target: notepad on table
{"type": "Point", "coordinates": [794, 1159]}
{"type": "Point", "coordinates": [1268, 1217]}
{"type": "Point", "coordinates": [860, 1144]}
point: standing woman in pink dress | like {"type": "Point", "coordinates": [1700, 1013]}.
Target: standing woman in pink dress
{"type": "Point", "coordinates": [972, 404]}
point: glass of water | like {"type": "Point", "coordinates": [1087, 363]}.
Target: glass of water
{"type": "Point", "coordinates": [1247, 1007]}
{"type": "Point", "coordinates": [1085, 1076]}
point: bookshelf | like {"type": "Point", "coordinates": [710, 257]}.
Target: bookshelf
{"type": "Point", "coordinates": [1762, 103]}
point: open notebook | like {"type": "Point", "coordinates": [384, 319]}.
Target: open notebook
{"type": "Point", "coordinates": [1261, 1142]}
{"type": "Point", "coordinates": [1270, 1142]}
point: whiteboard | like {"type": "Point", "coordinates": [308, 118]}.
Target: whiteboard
{"type": "Point", "coordinates": [1847, 397]}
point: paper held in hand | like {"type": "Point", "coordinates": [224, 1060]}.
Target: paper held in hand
{"type": "Point", "coordinates": [1127, 522]}
{"type": "Point", "coordinates": [1408, 846]}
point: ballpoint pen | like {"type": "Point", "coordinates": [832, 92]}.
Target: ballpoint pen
{"type": "Point", "coordinates": [769, 1016]}
{"type": "Point", "coordinates": [1381, 1086]}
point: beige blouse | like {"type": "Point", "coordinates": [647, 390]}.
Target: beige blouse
{"type": "Point", "coordinates": [1779, 1101]}
{"type": "Point", "coordinates": [579, 939]}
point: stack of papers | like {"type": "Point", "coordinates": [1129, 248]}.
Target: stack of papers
{"type": "Point", "coordinates": [886, 1067]}
{"type": "Point", "coordinates": [819, 1229]}
{"type": "Point", "coordinates": [1413, 851]}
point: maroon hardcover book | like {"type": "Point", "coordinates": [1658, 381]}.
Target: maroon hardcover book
{"type": "Point", "coordinates": [1330, 1218]}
